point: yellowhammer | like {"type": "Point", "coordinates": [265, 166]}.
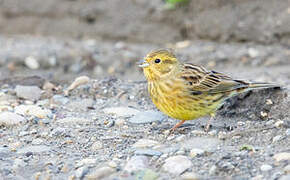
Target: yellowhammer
{"type": "Point", "coordinates": [188, 91]}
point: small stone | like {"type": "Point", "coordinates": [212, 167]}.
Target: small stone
{"type": "Point", "coordinates": [121, 111]}
{"type": "Point", "coordinates": [31, 62]}
{"type": "Point", "coordinates": [80, 105]}
{"type": "Point", "coordinates": [33, 149]}
{"type": "Point", "coordinates": [285, 177]}
{"type": "Point", "coordinates": [120, 122]}
{"type": "Point", "coordinates": [33, 110]}
{"type": "Point", "coordinates": [100, 173]}
{"type": "Point", "coordinates": [31, 93]}
{"type": "Point", "coordinates": [81, 172]}
{"type": "Point", "coordinates": [190, 176]}
{"type": "Point", "coordinates": [147, 117]}
{"type": "Point", "coordinates": [269, 102]}
{"type": "Point", "coordinates": [77, 82]}
{"type": "Point", "coordinates": [136, 163]}
{"type": "Point", "coordinates": [282, 156]}
{"type": "Point", "coordinates": [287, 169]}
{"type": "Point", "coordinates": [112, 164]}
{"type": "Point", "coordinates": [277, 138]}
{"type": "Point", "coordinates": [97, 145]}
{"type": "Point", "coordinates": [180, 138]}
{"type": "Point", "coordinates": [147, 152]}
{"type": "Point", "coordinates": [253, 52]}
{"type": "Point", "coordinates": [182, 44]}
{"type": "Point", "coordinates": [173, 164]}
{"type": "Point", "coordinates": [86, 162]}
{"type": "Point", "coordinates": [213, 170]}
{"type": "Point", "coordinates": [10, 119]}
{"type": "Point", "coordinates": [145, 143]}
{"type": "Point", "coordinates": [279, 123]}
{"type": "Point", "coordinates": [266, 167]}
{"type": "Point", "coordinates": [37, 141]}
{"type": "Point", "coordinates": [264, 114]}
{"type": "Point", "coordinates": [59, 99]}
{"type": "Point", "coordinates": [287, 132]}
{"type": "Point", "coordinates": [74, 120]}
{"type": "Point", "coordinates": [18, 163]}
{"type": "Point", "coordinates": [196, 152]}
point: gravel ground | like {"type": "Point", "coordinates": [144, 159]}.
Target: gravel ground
{"type": "Point", "coordinates": [63, 119]}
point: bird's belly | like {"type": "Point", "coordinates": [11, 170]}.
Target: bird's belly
{"type": "Point", "coordinates": [184, 108]}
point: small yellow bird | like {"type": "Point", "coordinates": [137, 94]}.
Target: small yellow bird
{"type": "Point", "coordinates": [188, 91]}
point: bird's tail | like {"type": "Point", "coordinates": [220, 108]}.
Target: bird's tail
{"type": "Point", "coordinates": [262, 85]}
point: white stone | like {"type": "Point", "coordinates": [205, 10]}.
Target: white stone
{"type": "Point", "coordinates": [137, 163]}
{"type": "Point", "coordinates": [10, 119]}
{"type": "Point", "coordinates": [282, 156]}
{"type": "Point", "coordinates": [287, 169]}
{"type": "Point", "coordinates": [145, 143]}
{"type": "Point", "coordinates": [31, 93]}
{"type": "Point", "coordinates": [37, 141]}
{"type": "Point", "coordinates": [33, 110]}
{"type": "Point", "coordinates": [190, 176]}
{"type": "Point", "coordinates": [121, 111]}
{"type": "Point", "coordinates": [196, 152]}
{"type": "Point", "coordinates": [253, 52]}
{"type": "Point", "coordinates": [266, 167]}
{"type": "Point", "coordinates": [177, 164]}
{"type": "Point", "coordinates": [97, 145]}
{"type": "Point", "coordinates": [147, 117]}
{"type": "Point", "coordinates": [33, 149]}
{"type": "Point", "coordinates": [277, 138]}
{"type": "Point", "coordinates": [77, 82]}
{"type": "Point", "coordinates": [31, 62]}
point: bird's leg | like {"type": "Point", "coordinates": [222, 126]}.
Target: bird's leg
{"type": "Point", "coordinates": [207, 127]}
{"type": "Point", "coordinates": [176, 126]}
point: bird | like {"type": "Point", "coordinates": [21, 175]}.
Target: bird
{"type": "Point", "coordinates": [186, 91]}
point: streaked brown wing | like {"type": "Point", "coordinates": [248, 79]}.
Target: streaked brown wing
{"type": "Point", "coordinates": [200, 80]}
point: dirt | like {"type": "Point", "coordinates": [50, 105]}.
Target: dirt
{"type": "Point", "coordinates": [82, 138]}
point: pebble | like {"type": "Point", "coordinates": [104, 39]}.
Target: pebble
{"type": "Point", "coordinates": [136, 163]}
{"type": "Point", "coordinates": [253, 52]}
{"type": "Point", "coordinates": [100, 173]}
{"type": "Point", "coordinates": [190, 176]}
{"type": "Point", "coordinates": [10, 119]}
{"type": "Point", "coordinates": [77, 82]}
{"type": "Point", "coordinates": [277, 138]}
{"type": "Point", "coordinates": [213, 170]}
{"type": "Point", "coordinates": [80, 105]}
{"type": "Point", "coordinates": [173, 164]}
{"type": "Point", "coordinates": [287, 132]}
{"type": "Point", "coordinates": [59, 99]}
{"type": "Point", "coordinates": [266, 167]}
{"type": "Point", "coordinates": [32, 93]}
{"type": "Point", "coordinates": [285, 177]}
{"type": "Point", "coordinates": [97, 145]}
{"type": "Point", "coordinates": [196, 152]}
{"type": "Point", "coordinates": [86, 162]}
{"type": "Point", "coordinates": [147, 117]}
{"type": "Point", "coordinates": [34, 149]}
{"type": "Point", "coordinates": [33, 110]}
{"type": "Point", "coordinates": [279, 123]}
{"type": "Point", "coordinates": [145, 143]}
{"type": "Point", "coordinates": [81, 172]}
{"type": "Point", "coordinates": [282, 156]}
{"type": "Point", "coordinates": [31, 62]}
{"type": "Point", "coordinates": [121, 111]}
{"type": "Point", "coordinates": [207, 144]}
{"type": "Point", "coordinates": [148, 152]}
{"type": "Point", "coordinates": [74, 120]}
{"type": "Point", "coordinates": [287, 169]}
{"type": "Point", "coordinates": [37, 141]}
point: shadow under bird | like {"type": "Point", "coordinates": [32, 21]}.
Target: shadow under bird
{"type": "Point", "coordinates": [187, 91]}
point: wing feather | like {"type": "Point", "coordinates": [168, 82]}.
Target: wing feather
{"type": "Point", "coordinates": [201, 80]}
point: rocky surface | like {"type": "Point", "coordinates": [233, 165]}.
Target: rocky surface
{"type": "Point", "coordinates": [75, 105]}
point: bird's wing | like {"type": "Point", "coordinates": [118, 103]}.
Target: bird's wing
{"type": "Point", "coordinates": [201, 80]}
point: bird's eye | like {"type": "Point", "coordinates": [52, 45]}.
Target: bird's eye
{"type": "Point", "coordinates": [157, 61]}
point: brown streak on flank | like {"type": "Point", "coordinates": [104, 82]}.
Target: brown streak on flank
{"type": "Point", "coordinates": [194, 93]}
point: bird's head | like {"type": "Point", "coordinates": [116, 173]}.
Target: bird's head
{"type": "Point", "coordinates": [158, 64]}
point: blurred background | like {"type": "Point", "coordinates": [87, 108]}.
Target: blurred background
{"type": "Point", "coordinates": [60, 39]}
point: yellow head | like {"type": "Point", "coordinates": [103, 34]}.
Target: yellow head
{"type": "Point", "coordinates": [158, 64]}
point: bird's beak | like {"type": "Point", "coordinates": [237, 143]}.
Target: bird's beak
{"type": "Point", "coordinates": [142, 63]}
